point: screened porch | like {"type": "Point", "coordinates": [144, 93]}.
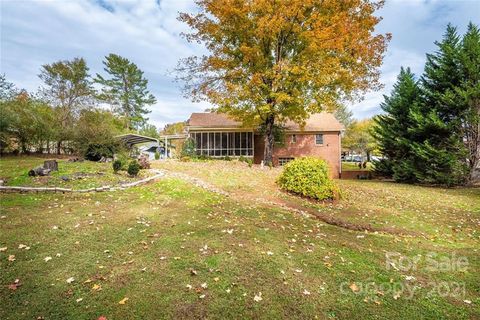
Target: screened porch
{"type": "Point", "coordinates": [221, 144]}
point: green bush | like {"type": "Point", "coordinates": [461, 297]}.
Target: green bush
{"type": "Point", "coordinates": [250, 162]}
{"type": "Point", "coordinates": [117, 165]}
{"type": "Point", "coordinates": [95, 152]}
{"type": "Point", "coordinates": [157, 155]}
{"type": "Point", "coordinates": [133, 168]}
{"type": "Point", "coordinates": [308, 177]}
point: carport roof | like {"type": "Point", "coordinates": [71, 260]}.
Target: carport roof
{"type": "Point", "coordinates": [131, 139]}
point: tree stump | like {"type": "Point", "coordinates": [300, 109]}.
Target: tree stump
{"type": "Point", "coordinates": [51, 164]}
{"type": "Point", "coordinates": [39, 171]}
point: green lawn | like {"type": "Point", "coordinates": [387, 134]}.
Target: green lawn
{"type": "Point", "coordinates": [86, 174]}
{"type": "Point", "coordinates": [347, 166]}
{"type": "Point", "coordinates": [178, 251]}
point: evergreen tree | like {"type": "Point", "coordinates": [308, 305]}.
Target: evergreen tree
{"type": "Point", "coordinates": [468, 93]}
{"type": "Point", "coordinates": [440, 150]}
{"type": "Point", "coordinates": [126, 90]}
{"type": "Point", "coordinates": [392, 128]}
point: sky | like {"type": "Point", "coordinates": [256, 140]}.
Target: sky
{"type": "Point", "coordinates": [36, 32]}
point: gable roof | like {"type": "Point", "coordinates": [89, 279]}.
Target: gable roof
{"type": "Point", "coordinates": [323, 121]}
{"type": "Point", "coordinates": [212, 120]}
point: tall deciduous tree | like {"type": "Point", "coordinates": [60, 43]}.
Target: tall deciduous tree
{"type": "Point", "coordinates": [271, 61]}
{"type": "Point", "coordinates": [67, 87]}
{"type": "Point", "coordinates": [344, 115]}
{"type": "Point", "coordinates": [358, 137]}
{"type": "Point", "coordinates": [126, 90]}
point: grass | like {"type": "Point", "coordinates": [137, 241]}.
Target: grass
{"type": "Point", "coordinates": [144, 242]}
{"type": "Point", "coordinates": [348, 166]}
{"type": "Point", "coordinates": [86, 174]}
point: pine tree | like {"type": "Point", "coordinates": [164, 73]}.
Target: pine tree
{"type": "Point", "coordinates": [440, 151]}
{"type": "Point", "coordinates": [468, 93]}
{"type": "Point", "coordinates": [392, 128]}
{"type": "Point", "coordinates": [126, 90]}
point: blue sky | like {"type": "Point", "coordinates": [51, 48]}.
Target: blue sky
{"type": "Point", "coordinates": [35, 32]}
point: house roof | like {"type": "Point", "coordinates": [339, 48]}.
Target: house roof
{"type": "Point", "coordinates": [212, 120]}
{"type": "Point", "coordinates": [323, 121]}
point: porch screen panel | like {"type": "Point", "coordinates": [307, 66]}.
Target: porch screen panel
{"type": "Point", "coordinates": [221, 144]}
{"type": "Point", "coordinates": [231, 143]}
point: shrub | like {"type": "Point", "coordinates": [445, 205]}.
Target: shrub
{"type": "Point", "coordinates": [185, 159]}
{"type": "Point", "coordinates": [157, 155]}
{"type": "Point", "coordinates": [133, 168]}
{"type": "Point", "coordinates": [242, 159]}
{"type": "Point", "coordinates": [308, 177]}
{"type": "Point", "coordinates": [117, 165]}
{"type": "Point", "coordinates": [250, 162]}
{"type": "Point", "coordinates": [188, 149]}
{"type": "Point", "coordinates": [95, 152]}
{"type": "Point", "coordinates": [144, 162]}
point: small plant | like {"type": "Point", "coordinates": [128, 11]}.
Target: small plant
{"type": "Point", "coordinates": [250, 162]}
{"type": "Point", "coordinates": [185, 159]}
{"type": "Point", "coordinates": [117, 165]}
{"type": "Point", "coordinates": [144, 162]}
{"type": "Point", "coordinates": [227, 158]}
{"type": "Point", "coordinates": [242, 159]}
{"type": "Point", "coordinates": [308, 177]}
{"type": "Point", "coordinates": [133, 168]}
{"type": "Point", "coordinates": [157, 155]}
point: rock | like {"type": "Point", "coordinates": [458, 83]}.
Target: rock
{"type": "Point", "coordinates": [65, 178]}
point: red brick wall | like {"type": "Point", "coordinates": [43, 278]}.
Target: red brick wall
{"type": "Point", "coordinates": [305, 146]}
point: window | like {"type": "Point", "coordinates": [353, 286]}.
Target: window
{"type": "Point", "coordinates": [284, 161]}
{"type": "Point", "coordinates": [221, 144]}
{"type": "Point", "coordinates": [319, 139]}
{"type": "Point", "coordinates": [294, 138]}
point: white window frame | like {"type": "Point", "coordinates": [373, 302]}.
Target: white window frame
{"type": "Point", "coordinates": [319, 134]}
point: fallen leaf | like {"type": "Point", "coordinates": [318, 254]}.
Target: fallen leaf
{"type": "Point", "coordinates": [70, 280]}
{"type": "Point", "coordinates": [258, 297]}
{"type": "Point", "coordinates": [354, 287]}
{"type": "Point", "coordinates": [47, 259]}
{"type": "Point", "coordinates": [14, 286]}
{"type": "Point", "coordinates": [306, 292]}
{"type": "Point", "coordinates": [11, 258]}
{"type": "Point", "coordinates": [96, 287]}
{"type": "Point", "coordinates": [79, 299]}
{"type": "Point", "coordinates": [123, 301]}
{"type": "Point", "coordinates": [216, 279]}
{"type": "Point", "coordinates": [3, 249]}
{"type": "Point", "coordinates": [467, 301]}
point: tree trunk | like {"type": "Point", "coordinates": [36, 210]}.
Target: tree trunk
{"type": "Point", "coordinates": [59, 146]}
{"type": "Point", "coordinates": [52, 165]}
{"type": "Point", "coordinates": [269, 140]}
{"type": "Point", "coordinates": [39, 171]}
{"type": "Point", "coordinates": [368, 156]}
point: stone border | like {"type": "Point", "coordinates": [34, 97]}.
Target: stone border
{"type": "Point", "coordinates": [123, 186]}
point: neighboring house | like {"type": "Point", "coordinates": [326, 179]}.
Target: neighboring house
{"type": "Point", "coordinates": [217, 135]}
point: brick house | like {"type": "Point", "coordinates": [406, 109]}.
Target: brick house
{"type": "Point", "coordinates": [217, 135]}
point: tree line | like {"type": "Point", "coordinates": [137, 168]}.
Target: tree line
{"type": "Point", "coordinates": [430, 129]}
{"type": "Point", "coordinates": [74, 112]}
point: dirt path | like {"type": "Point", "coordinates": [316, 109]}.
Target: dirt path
{"type": "Point", "coordinates": [285, 205]}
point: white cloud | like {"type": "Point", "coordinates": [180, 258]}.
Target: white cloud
{"type": "Point", "coordinates": [148, 33]}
